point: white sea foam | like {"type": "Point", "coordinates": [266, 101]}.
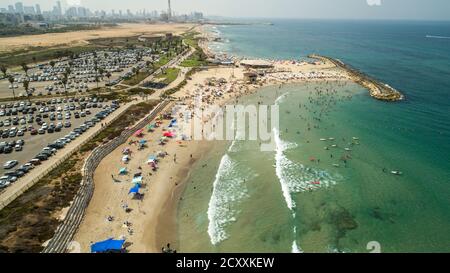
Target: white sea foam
{"type": "Point", "coordinates": [295, 248]}
{"type": "Point", "coordinates": [437, 37]}
{"type": "Point", "coordinates": [281, 98]}
{"type": "Point", "coordinates": [228, 190]}
{"type": "Point", "coordinates": [295, 177]}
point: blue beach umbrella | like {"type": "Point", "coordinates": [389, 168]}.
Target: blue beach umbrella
{"type": "Point", "coordinates": [135, 189]}
{"type": "Point", "coordinates": [123, 171]}
{"type": "Point", "coordinates": [107, 245]}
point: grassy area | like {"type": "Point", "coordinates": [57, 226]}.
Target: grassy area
{"type": "Point", "coordinates": [29, 221]}
{"type": "Point", "coordinates": [194, 61]}
{"type": "Point", "coordinates": [169, 75]}
{"type": "Point", "coordinates": [41, 54]}
{"type": "Point", "coordinates": [172, 91]}
{"type": "Point", "coordinates": [13, 31]}
{"type": "Point", "coordinates": [161, 62]}
{"type": "Point", "coordinates": [136, 79]}
{"type": "Point", "coordinates": [138, 91]}
{"type": "Point", "coordinates": [135, 113]}
{"type": "Point", "coordinates": [198, 58]}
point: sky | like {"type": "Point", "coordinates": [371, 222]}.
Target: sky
{"type": "Point", "coordinates": [322, 9]}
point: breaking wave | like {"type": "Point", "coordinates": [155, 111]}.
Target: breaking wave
{"type": "Point", "coordinates": [228, 190]}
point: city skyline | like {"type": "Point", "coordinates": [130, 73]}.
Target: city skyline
{"type": "Point", "coordinates": [323, 9]}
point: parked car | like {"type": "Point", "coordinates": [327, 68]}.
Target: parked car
{"type": "Point", "coordinates": [10, 164]}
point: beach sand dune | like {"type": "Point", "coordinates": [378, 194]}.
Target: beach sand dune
{"type": "Point", "coordinates": [82, 37]}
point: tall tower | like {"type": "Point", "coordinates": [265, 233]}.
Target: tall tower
{"type": "Point", "coordinates": [169, 11]}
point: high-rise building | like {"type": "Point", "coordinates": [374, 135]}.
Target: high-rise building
{"type": "Point", "coordinates": [169, 11]}
{"type": "Point", "coordinates": [59, 8]}
{"type": "Point", "coordinates": [11, 9]}
{"type": "Point", "coordinates": [19, 7]}
{"type": "Point", "coordinates": [72, 12]}
{"type": "Point", "coordinates": [38, 9]}
{"type": "Point", "coordinates": [29, 10]}
{"type": "Point", "coordinates": [82, 12]}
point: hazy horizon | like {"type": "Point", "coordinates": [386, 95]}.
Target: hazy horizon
{"type": "Point", "coordinates": [281, 9]}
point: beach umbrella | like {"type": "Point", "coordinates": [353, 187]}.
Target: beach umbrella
{"type": "Point", "coordinates": [135, 189]}
{"type": "Point", "coordinates": [107, 245]}
{"type": "Point", "coordinates": [173, 123]}
{"type": "Point", "coordinates": [125, 158]}
{"type": "Point", "coordinates": [138, 133]}
{"type": "Point", "coordinates": [142, 141]}
{"type": "Point", "coordinates": [168, 134]}
{"type": "Point", "coordinates": [123, 171]}
{"type": "Point", "coordinates": [137, 179]}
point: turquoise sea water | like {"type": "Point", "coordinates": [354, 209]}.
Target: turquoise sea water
{"type": "Point", "coordinates": [240, 199]}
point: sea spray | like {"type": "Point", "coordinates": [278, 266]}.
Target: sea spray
{"type": "Point", "coordinates": [228, 190]}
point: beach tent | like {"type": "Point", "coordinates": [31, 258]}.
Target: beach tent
{"type": "Point", "coordinates": [123, 171]}
{"type": "Point", "coordinates": [135, 189]}
{"type": "Point", "coordinates": [138, 133]}
{"type": "Point", "coordinates": [169, 134]}
{"type": "Point", "coordinates": [173, 123]}
{"type": "Point", "coordinates": [137, 179]}
{"type": "Point", "coordinates": [107, 245]}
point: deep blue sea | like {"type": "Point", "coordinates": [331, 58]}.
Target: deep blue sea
{"type": "Point", "coordinates": [362, 203]}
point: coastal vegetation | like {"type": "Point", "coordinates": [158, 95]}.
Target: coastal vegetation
{"type": "Point", "coordinates": [198, 58]}
{"type": "Point", "coordinates": [168, 75]}
{"type": "Point", "coordinates": [177, 88]}
{"type": "Point", "coordinates": [27, 29]}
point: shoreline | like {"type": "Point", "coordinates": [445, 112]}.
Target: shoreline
{"type": "Point", "coordinates": [154, 219]}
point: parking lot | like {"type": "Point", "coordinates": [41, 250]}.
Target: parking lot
{"type": "Point", "coordinates": [85, 71]}
{"type": "Point", "coordinates": [47, 126]}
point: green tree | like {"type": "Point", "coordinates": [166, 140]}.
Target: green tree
{"type": "Point", "coordinates": [12, 80]}
{"type": "Point", "coordinates": [4, 69]}
{"type": "Point", "coordinates": [64, 81]}
{"type": "Point", "coordinates": [26, 86]}
{"type": "Point", "coordinates": [25, 68]}
{"type": "Point", "coordinates": [108, 75]}
{"type": "Point", "coordinates": [97, 80]}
